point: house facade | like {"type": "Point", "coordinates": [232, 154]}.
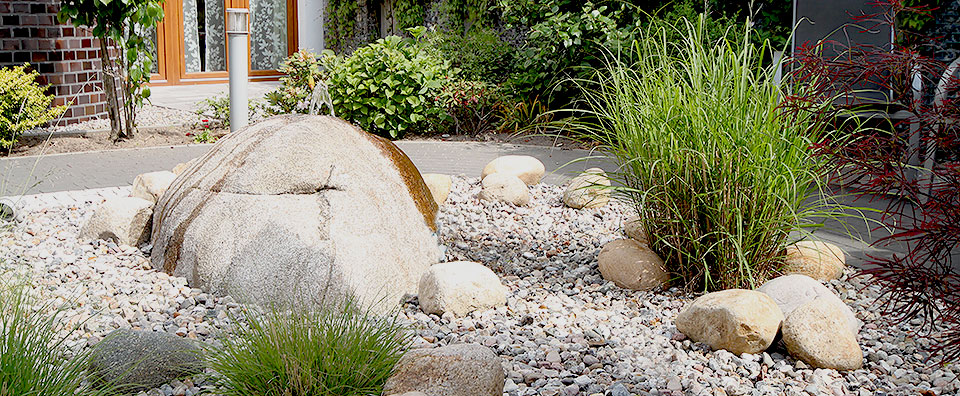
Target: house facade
{"type": "Point", "coordinates": [191, 45]}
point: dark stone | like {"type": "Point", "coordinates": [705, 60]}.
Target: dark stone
{"type": "Point", "coordinates": [142, 360]}
{"type": "Point", "coordinates": [618, 389]}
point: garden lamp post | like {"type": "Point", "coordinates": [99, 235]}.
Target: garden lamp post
{"type": "Point", "coordinates": [238, 29]}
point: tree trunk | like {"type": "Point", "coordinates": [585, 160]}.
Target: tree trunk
{"type": "Point", "coordinates": [129, 106]}
{"type": "Point", "coordinates": [110, 89]}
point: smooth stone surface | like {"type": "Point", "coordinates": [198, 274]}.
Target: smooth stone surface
{"type": "Point", "coordinates": [817, 333]}
{"type": "Point", "coordinates": [439, 186]}
{"type": "Point", "coordinates": [633, 229]}
{"type": "Point", "coordinates": [792, 291]}
{"type": "Point", "coordinates": [631, 265]}
{"type": "Point", "coordinates": [299, 209]}
{"type": "Point", "coordinates": [124, 220]}
{"type": "Point", "coordinates": [460, 287]}
{"type": "Point", "coordinates": [819, 260]}
{"type": "Point", "coordinates": [525, 167]}
{"type": "Point", "coordinates": [140, 360]}
{"type": "Point", "coordinates": [736, 320]}
{"type": "Point", "coordinates": [587, 190]}
{"type": "Point", "coordinates": [453, 370]}
{"type": "Point", "coordinates": [502, 187]}
{"type": "Point", "coordinates": [183, 166]}
{"type": "Point", "coordinates": [151, 186]}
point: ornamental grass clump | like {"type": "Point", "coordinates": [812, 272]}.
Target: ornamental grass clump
{"type": "Point", "coordinates": [719, 173]}
{"type": "Point", "coordinates": [329, 351]}
{"type": "Point", "coordinates": [33, 349]}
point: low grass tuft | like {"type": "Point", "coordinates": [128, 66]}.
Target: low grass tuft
{"type": "Point", "coordinates": [340, 350]}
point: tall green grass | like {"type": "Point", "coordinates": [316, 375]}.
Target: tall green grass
{"type": "Point", "coordinates": [33, 352]}
{"type": "Point", "coordinates": [328, 351]}
{"type": "Point", "coordinates": [720, 175]}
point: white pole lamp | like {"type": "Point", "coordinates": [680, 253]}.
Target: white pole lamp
{"type": "Point", "coordinates": [238, 28]}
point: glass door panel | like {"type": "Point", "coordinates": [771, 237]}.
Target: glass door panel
{"type": "Point", "coordinates": [204, 38]}
{"type": "Point", "coordinates": [268, 33]}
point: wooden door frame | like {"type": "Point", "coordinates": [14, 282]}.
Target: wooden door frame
{"type": "Point", "coordinates": [170, 47]}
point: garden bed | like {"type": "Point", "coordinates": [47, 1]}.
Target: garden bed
{"type": "Point", "coordinates": [564, 331]}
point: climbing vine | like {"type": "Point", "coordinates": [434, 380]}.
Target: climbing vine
{"type": "Point", "coordinates": [409, 13]}
{"type": "Point", "coordinates": [341, 23]}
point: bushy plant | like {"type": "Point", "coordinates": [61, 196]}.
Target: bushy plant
{"type": "Point", "coordinates": [387, 87]}
{"type": "Point", "coordinates": [719, 174]}
{"type": "Point", "coordinates": [471, 107]}
{"type": "Point", "coordinates": [302, 72]}
{"type": "Point", "coordinates": [480, 54]}
{"type": "Point", "coordinates": [215, 111]}
{"type": "Point", "coordinates": [23, 104]}
{"type": "Point", "coordinates": [33, 351]}
{"type": "Point", "coordinates": [339, 350]}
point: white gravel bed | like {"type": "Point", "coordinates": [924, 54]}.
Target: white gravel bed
{"type": "Point", "coordinates": [564, 330]}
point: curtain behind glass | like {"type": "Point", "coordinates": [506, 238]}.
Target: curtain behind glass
{"type": "Point", "coordinates": [268, 33]}
{"type": "Point", "coordinates": [211, 44]}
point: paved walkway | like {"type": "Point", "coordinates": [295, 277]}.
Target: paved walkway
{"type": "Point", "coordinates": [38, 181]}
{"type": "Point", "coordinates": [187, 97]}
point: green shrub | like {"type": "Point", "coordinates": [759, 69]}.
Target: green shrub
{"type": "Point", "coordinates": [718, 172]}
{"type": "Point", "coordinates": [480, 54]}
{"type": "Point", "coordinates": [215, 111]}
{"type": "Point", "coordinates": [388, 87]}
{"type": "Point", "coordinates": [302, 71]}
{"type": "Point", "coordinates": [23, 104]}
{"type": "Point", "coordinates": [33, 349]}
{"type": "Point", "coordinates": [471, 107]}
{"type": "Point", "coordinates": [329, 351]}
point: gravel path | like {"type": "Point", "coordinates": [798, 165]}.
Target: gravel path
{"type": "Point", "coordinates": [564, 330]}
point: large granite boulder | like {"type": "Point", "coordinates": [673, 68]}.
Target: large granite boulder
{"type": "Point", "coordinates": [460, 287]}
{"type": "Point", "coordinates": [631, 265]}
{"type": "Point", "coordinates": [792, 291]}
{"type": "Point", "coordinates": [150, 186]}
{"type": "Point", "coordinates": [819, 260]}
{"type": "Point", "coordinates": [299, 208]}
{"type": "Point", "coordinates": [125, 220]}
{"type": "Point", "coordinates": [817, 332]}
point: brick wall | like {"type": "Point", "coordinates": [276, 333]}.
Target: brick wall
{"type": "Point", "coordinates": [67, 58]}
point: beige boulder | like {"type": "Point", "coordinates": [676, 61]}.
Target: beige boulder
{"type": "Point", "coordinates": [588, 190]}
{"type": "Point", "coordinates": [502, 187]}
{"type": "Point", "coordinates": [633, 228]}
{"type": "Point", "coordinates": [818, 260]}
{"type": "Point", "coordinates": [818, 333]}
{"type": "Point", "coordinates": [525, 167]}
{"type": "Point", "coordinates": [453, 370]}
{"type": "Point", "coordinates": [792, 291]}
{"type": "Point", "coordinates": [460, 287]}
{"type": "Point", "coordinates": [439, 186]}
{"type": "Point", "coordinates": [183, 166]}
{"type": "Point", "coordinates": [151, 186]}
{"type": "Point", "coordinates": [125, 220]}
{"type": "Point", "coordinates": [339, 212]}
{"type": "Point", "coordinates": [739, 321]}
{"type": "Point", "coordinates": [631, 265]}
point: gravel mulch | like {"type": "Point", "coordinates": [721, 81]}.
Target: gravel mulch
{"type": "Point", "coordinates": [564, 330]}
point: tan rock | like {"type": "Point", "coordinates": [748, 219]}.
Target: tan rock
{"type": "Point", "coordinates": [737, 320]}
{"type": "Point", "coordinates": [631, 265]}
{"type": "Point", "coordinates": [792, 291]}
{"type": "Point", "coordinates": [819, 260]}
{"type": "Point", "coordinates": [183, 166]}
{"type": "Point", "coordinates": [588, 190]}
{"type": "Point", "coordinates": [151, 186]}
{"type": "Point", "coordinates": [453, 370]}
{"type": "Point", "coordinates": [460, 287]}
{"type": "Point", "coordinates": [125, 220]}
{"type": "Point", "coordinates": [818, 333]}
{"type": "Point", "coordinates": [502, 187]}
{"type": "Point", "coordinates": [439, 186]}
{"type": "Point", "coordinates": [527, 168]}
{"type": "Point", "coordinates": [633, 228]}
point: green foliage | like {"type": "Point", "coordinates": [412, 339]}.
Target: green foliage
{"type": "Point", "coordinates": [719, 173]}
{"type": "Point", "coordinates": [215, 111]}
{"type": "Point", "coordinates": [33, 349]}
{"type": "Point", "coordinates": [126, 24]}
{"type": "Point", "coordinates": [388, 87]}
{"type": "Point", "coordinates": [480, 54]}
{"type": "Point", "coordinates": [471, 107]}
{"type": "Point", "coordinates": [341, 22]}
{"type": "Point", "coordinates": [329, 351]}
{"type": "Point", "coordinates": [302, 72]}
{"type": "Point", "coordinates": [409, 13]}
{"type": "Point", "coordinates": [532, 116]}
{"type": "Point", "coordinates": [23, 104]}
{"type": "Point", "coordinates": [458, 15]}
